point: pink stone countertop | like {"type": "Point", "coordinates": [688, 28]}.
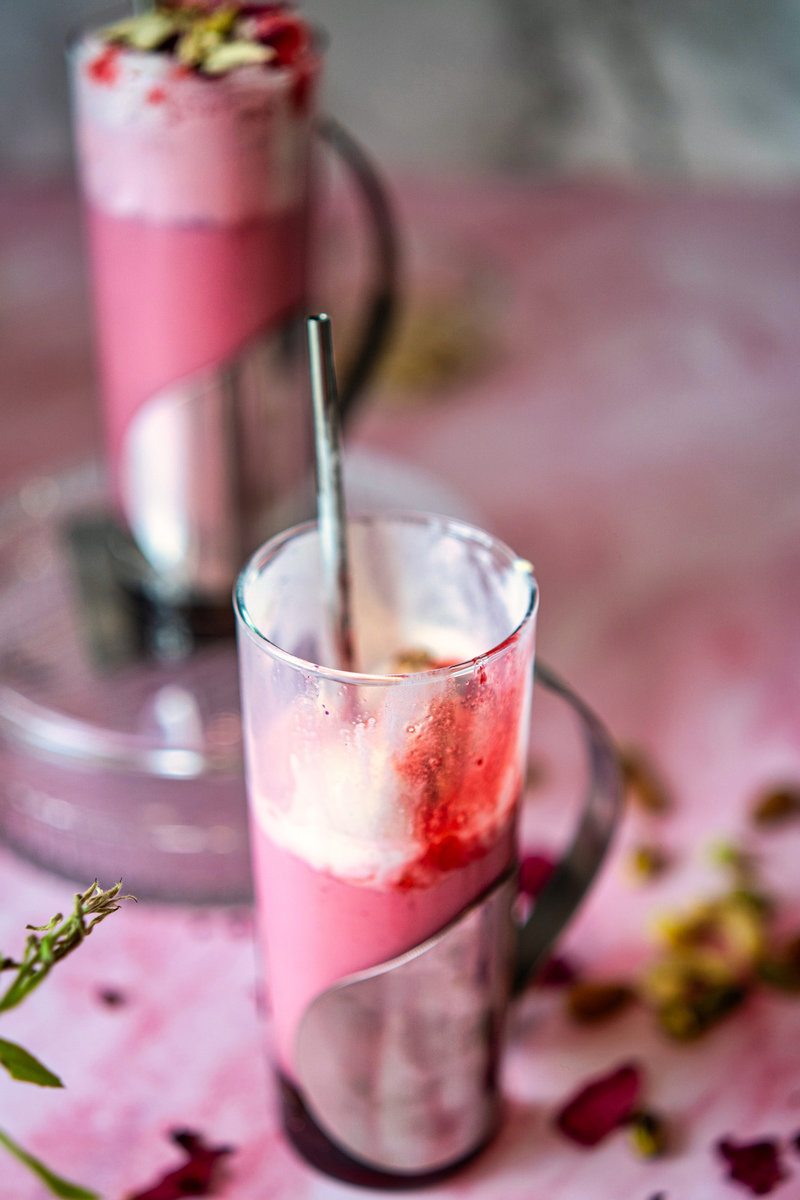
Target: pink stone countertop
{"type": "Point", "coordinates": [630, 423]}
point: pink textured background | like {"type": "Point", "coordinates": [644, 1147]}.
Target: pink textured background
{"type": "Point", "coordinates": [636, 434]}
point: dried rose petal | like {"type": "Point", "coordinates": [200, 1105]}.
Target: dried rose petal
{"type": "Point", "coordinates": [112, 996]}
{"type": "Point", "coordinates": [777, 806]}
{"type": "Point", "coordinates": [198, 1176]}
{"type": "Point", "coordinates": [757, 1165]}
{"type": "Point", "coordinates": [534, 872]}
{"type": "Point", "coordinates": [556, 971]}
{"type": "Point", "coordinates": [602, 1106]}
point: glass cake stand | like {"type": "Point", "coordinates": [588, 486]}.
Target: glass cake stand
{"type": "Point", "coordinates": [117, 762]}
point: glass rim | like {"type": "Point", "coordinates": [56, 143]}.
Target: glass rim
{"type": "Point", "coordinates": [464, 530]}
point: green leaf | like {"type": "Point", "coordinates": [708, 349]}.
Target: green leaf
{"type": "Point", "coordinates": [22, 1065]}
{"type": "Point", "coordinates": [57, 1185]}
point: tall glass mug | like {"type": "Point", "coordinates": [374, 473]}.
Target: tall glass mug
{"type": "Point", "coordinates": [383, 807]}
{"type": "Point", "coordinates": [195, 129]}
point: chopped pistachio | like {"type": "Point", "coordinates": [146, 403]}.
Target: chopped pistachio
{"type": "Point", "coordinates": [648, 1134]}
{"type": "Point", "coordinates": [220, 21]}
{"type": "Point", "coordinates": [677, 977]}
{"type": "Point", "coordinates": [644, 787]}
{"type": "Point", "coordinates": [781, 968]}
{"type": "Point", "coordinates": [689, 1018]}
{"type": "Point", "coordinates": [647, 862]}
{"type": "Point", "coordinates": [732, 928]}
{"type": "Point", "coordinates": [412, 659]}
{"type": "Point", "coordinates": [146, 31]}
{"type": "Point", "coordinates": [229, 55]}
{"type": "Point", "coordinates": [729, 855]}
{"type": "Point", "coordinates": [196, 44]}
{"type": "Point", "coordinates": [589, 1001]}
{"type": "Point", "coordinates": [776, 806]}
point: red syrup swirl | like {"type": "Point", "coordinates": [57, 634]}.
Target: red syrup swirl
{"type": "Point", "coordinates": [456, 772]}
{"type": "Point", "coordinates": [104, 68]}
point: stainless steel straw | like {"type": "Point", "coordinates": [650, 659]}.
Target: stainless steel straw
{"type": "Point", "coordinates": [330, 489]}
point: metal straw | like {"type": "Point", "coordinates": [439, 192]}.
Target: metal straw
{"type": "Point", "coordinates": [330, 490]}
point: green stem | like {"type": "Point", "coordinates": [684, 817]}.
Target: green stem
{"type": "Point", "coordinates": [58, 1186]}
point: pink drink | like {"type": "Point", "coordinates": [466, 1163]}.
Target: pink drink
{"type": "Point", "coordinates": [383, 803]}
{"type": "Point", "coordinates": [197, 190]}
{"type": "Point", "coordinates": [173, 299]}
{"type": "Point", "coordinates": [353, 906]}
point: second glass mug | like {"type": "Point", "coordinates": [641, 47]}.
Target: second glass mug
{"type": "Point", "coordinates": [200, 198]}
{"type": "Point", "coordinates": [384, 805]}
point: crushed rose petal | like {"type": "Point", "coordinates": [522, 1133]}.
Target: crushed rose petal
{"type": "Point", "coordinates": [198, 1176]}
{"type": "Point", "coordinates": [757, 1165]}
{"type": "Point", "coordinates": [535, 871]}
{"type": "Point", "coordinates": [556, 971]}
{"type": "Point", "coordinates": [602, 1106]}
{"type": "Point", "coordinates": [112, 996]}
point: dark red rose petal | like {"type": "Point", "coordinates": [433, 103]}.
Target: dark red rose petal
{"type": "Point", "coordinates": [534, 872]}
{"type": "Point", "coordinates": [556, 971]}
{"type": "Point", "coordinates": [198, 1176]}
{"type": "Point", "coordinates": [602, 1106]}
{"type": "Point", "coordinates": [757, 1165]}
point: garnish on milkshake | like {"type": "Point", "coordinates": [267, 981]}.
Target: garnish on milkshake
{"type": "Point", "coordinates": [213, 39]}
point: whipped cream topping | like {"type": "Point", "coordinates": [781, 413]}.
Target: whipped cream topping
{"type": "Point", "coordinates": [160, 143]}
{"type": "Point", "coordinates": [338, 799]}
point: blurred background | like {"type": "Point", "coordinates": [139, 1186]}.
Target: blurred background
{"type": "Point", "coordinates": [698, 89]}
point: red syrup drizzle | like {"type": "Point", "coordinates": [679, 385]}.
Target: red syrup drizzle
{"type": "Point", "coordinates": [198, 1176]}
{"type": "Point", "coordinates": [104, 69]}
{"type": "Point", "coordinates": [454, 770]}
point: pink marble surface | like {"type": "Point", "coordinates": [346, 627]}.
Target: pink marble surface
{"type": "Point", "coordinates": [635, 433]}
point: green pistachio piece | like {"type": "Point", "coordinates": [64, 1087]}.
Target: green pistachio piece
{"type": "Point", "coordinates": [648, 1134]}
{"type": "Point", "coordinates": [196, 44]}
{"type": "Point", "coordinates": [781, 968]}
{"type": "Point", "coordinates": [688, 1018]}
{"type": "Point", "coordinates": [220, 21]}
{"type": "Point", "coordinates": [647, 862]}
{"type": "Point", "coordinates": [643, 786]}
{"type": "Point", "coordinates": [147, 31]}
{"type": "Point", "coordinates": [229, 55]}
{"type": "Point", "coordinates": [411, 660]}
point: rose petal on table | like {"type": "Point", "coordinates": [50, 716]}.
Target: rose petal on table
{"type": "Point", "coordinates": [601, 1106]}
{"type": "Point", "coordinates": [198, 1176]}
{"type": "Point", "coordinates": [756, 1165]}
{"type": "Point", "coordinates": [534, 872]}
{"type": "Point", "coordinates": [556, 971]}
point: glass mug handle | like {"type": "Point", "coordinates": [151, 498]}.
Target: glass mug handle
{"type": "Point", "coordinates": [381, 304]}
{"type": "Point", "coordinates": [574, 874]}
{"type": "Point", "coordinates": [435, 1014]}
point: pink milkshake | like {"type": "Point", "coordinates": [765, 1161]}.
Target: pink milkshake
{"type": "Point", "coordinates": [383, 802]}
{"type": "Point", "coordinates": [193, 130]}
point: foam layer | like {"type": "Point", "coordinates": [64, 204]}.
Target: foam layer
{"type": "Point", "coordinates": [163, 144]}
{"type": "Point", "coordinates": [375, 801]}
